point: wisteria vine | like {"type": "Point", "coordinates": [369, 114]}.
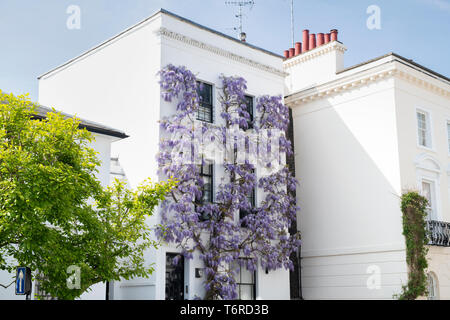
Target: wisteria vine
{"type": "Point", "coordinates": [214, 230]}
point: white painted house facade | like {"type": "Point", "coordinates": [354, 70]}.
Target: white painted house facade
{"type": "Point", "coordinates": [362, 135]}
{"type": "Point", "coordinates": [116, 83]}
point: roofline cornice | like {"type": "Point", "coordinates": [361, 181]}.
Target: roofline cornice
{"type": "Point", "coordinates": [384, 71]}
{"type": "Point", "coordinates": [164, 32]}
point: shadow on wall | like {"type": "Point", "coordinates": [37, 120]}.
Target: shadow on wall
{"type": "Point", "coordinates": [350, 219]}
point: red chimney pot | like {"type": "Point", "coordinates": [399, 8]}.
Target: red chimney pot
{"type": "Point", "coordinates": [334, 35]}
{"type": "Point", "coordinates": [291, 52]}
{"type": "Point", "coordinates": [320, 39]}
{"type": "Point", "coordinates": [298, 48]}
{"type": "Point", "coordinates": [327, 37]}
{"type": "Point", "coordinates": [305, 40]}
{"type": "Point", "coordinates": [312, 41]}
{"type": "Point", "coordinates": [286, 54]}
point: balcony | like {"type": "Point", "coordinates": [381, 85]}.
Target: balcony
{"type": "Point", "coordinates": [438, 233]}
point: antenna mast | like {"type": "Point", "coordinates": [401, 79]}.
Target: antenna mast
{"type": "Point", "coordinates": [241, 4]}
{"type": "Point", "coordinates": [292, 23]}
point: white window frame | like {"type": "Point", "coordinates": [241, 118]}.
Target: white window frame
{"type": "Point", "coordinates": [433, 196]}
{"type": "Point", "coordinates": [447, 126]}
{"type": "Point", "coordinates": [433, 175]}
{"type": "Point", "coordinates": [434, 284]}
{"type": "Point", "coordinates": [429, 124]}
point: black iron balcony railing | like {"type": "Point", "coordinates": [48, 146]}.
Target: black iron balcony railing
{"type": "Point", "coordinates": [438, 233]}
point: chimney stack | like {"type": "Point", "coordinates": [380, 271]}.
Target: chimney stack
{"type": "Point", "coordinates": [311, 41]}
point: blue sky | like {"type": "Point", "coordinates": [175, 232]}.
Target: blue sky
{"type": "Point", "coordinates": [34, 37]}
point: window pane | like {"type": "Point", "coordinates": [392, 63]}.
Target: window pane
{"type": "Point", "coordinates": [204, 112]}
{"type": "Point", "coordinates": [423, 131]}
{"type": "Point", "coordinates": [426, 189]}
{"type": "Point", "coordinates": [249, 103]}
{"type": "Point", "coordinates": [246, 276]}
{"type": "Point", "coordinates": [246, 292]}
{"type": "Point", "coordinates": [448, 135]}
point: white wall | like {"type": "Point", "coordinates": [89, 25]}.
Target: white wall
{"type": "Point", "coordinates": [347, 162]}
{"type": "Point", "coordinates": [418, 162]}
{"type": "Point", "coordinates": [117, 85]}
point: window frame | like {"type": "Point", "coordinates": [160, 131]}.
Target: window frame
{"type": "Point", "coordinates": [447, 122]}
{"type": "Point", "coordinates": [239, 284]}
{"type": "Point", "coordinates": [433, 284]}
{"type": "Point", "coordinates": [433, 196]}
{"type": "Point", "coordinates": [252, 113]}
{"type": "Point", "coordinates": [429, 129]}
{"type": "Point", "coordinates": [242, 212]}
{"type": "Point", "coordinates": [201, 202]}
{"type": "Point", "coordinates": [201, 105]}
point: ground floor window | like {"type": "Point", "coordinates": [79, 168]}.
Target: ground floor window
{"type": "Point", "coordinates": [246, 283]}
{"type": "Point", "coordinates": [174, 276]}
{"type": "Point", "coordinates": [432, 287]}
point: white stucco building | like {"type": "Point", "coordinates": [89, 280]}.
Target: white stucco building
{"type": "Point", "coordinates": [104, 137]}
{"type": "Point", "coordinates": [362, 136]}
{"type": "Point", "coordinates": [116, 83]}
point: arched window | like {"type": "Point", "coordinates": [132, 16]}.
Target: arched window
{"type": "Point", "coordinates": [432, 287]}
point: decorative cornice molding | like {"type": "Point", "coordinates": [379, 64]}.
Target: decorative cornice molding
{"type": "Point", "coordinates": [337, 87]}
{"type": "Point", "coordinates": [424, 84]}
{"type": "Point", "coordinates": [216, 50]}
{"type": "Point", "coordinates": [349, 83]}
{"type": "Point", "coordinates": [312, 54]}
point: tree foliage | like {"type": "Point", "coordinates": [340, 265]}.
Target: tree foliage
{"type": "Point", "coordinates": [214, 230]}
{"type": "Point", "coordinates": [54, 212]}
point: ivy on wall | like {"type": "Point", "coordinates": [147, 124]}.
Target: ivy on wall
{"type": "Point", "coordinates": [413, 207]}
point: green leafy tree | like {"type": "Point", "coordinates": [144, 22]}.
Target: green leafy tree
{"type": "Point", "coordinates": [54, 213]}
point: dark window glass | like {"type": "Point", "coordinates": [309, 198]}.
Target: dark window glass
{"type": "Point", "coordinates": [249, 103]}
{"type": "Point", "coordinates": [204, 112]}
{"type": "Point", "coordinates": [206, 173]}
{"type": "Point", "coordinates": [246, 288]}
{"type": "Point", "coordinates": [252, 201]}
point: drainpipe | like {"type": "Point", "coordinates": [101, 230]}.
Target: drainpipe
{"type": "Point", "coordinates": [295, 279]}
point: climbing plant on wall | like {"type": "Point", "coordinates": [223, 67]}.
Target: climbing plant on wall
{"type": "Point", "coordinates": [222, 226]}
{"type": "Point", "coordinates": [413, 207]}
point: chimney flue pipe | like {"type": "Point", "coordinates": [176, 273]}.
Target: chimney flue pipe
{"type": "Point", "coordinates": [305, 40]}
{"type": "Point", "coordinates": [320, 39]}
{"type": "Point", "coordinates": [334, 35]}
{"type": "Point", "coordinates": [298, 48]}
{"type": "Point", "coordinates": [312, 41]}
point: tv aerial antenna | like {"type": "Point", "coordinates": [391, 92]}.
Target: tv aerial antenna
{"type": "Point", "coordinates": [241, 5]}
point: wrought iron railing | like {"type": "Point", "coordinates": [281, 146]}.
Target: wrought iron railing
{"type": "Point", "coordinates": [438, 233]}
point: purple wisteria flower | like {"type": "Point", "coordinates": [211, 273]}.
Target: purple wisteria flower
{"type": "Point", "coordinates": [226, 230]}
